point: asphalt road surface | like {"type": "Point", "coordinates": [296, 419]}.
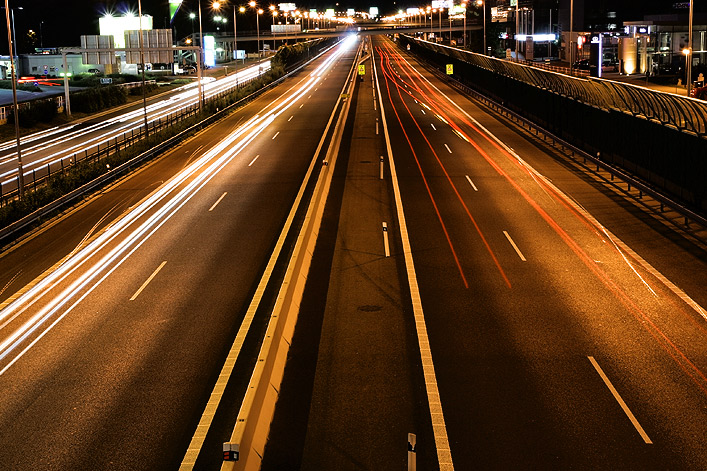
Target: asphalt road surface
{"type": "Point", "coordinates": [116, 318]}
{"type": "Point", "coordinates": [566, 323]}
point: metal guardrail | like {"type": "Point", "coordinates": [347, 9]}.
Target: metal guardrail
{"type": "Point", "coordinates": [683, 113]}
{"type": "Point", "coordinates": [545, 135]}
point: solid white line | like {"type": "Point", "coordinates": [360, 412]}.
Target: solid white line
{"type": "Point", "coordinates": [385, 239]}
{"type": "Point", "coordinates": [423, 111]}
{"type": "Point", "coordinates": [439, 428]}
{"type": "Point", "coordinates": [147, 282]}
{"type": "Point", "coordinates": [276, 135]}
{"type": "Point", "coordinates": [253, 161]}
{"type": "Point", "coordinates": [376, 126]}
{"type": "Point", "coordinates": [448, 149]}
{"type": "Point", "coordinates": [218, 201]}
{"type": "Point", "coordinates": [290, 118]}
{"type": "Point", "coordinates": [472, 183]}
{"type": "Point", "coordinates": [433, 126]}
{"type": "Point", "coordinates": [621, 402]}
{"type": "Point", "coordinates": [514, 246]}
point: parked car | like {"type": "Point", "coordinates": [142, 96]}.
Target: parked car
{"type": "Point", "coordinates": [188, 70]}
{"type": "Point", "coordinates": [95, 72]}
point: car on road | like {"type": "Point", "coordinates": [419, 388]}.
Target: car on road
{"type": "Point", "coordinates": [582, 64]}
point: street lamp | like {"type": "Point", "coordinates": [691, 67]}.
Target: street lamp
{"type": "Point", "coordinates": [142, 62]}
{"type": "Point", "coordinates": [440, 24]}
{"type": "Point", "coordinates": [258, 12]}
{"type": "Point", "coordinates": [274, 15]}
{"type": "Point", "coordinates": [429, 12]}
{"type": "Point", "coordinates": [20, 173]}
{"type": "Point", "coordinates": [482, 4]}
{"type": "Point", "coordinates": [688, 67]}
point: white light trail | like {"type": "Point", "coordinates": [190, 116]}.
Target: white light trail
{"type": "Point", "coordinates": [118, 242]}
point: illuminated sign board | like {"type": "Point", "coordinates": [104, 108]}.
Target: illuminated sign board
{"type": "Point", "coordinates": [173, 7]}
{"type": "Point", "coordinates": [437, 4]}
{"type": "Point", "coordinates": [373, 11]}
{"type": "Point", "coordinates": [287, 7]}
{"type": "Point", "coordinates": [350, 12]}
{"type": "Point", "coordinates": [209, 51]}
{"type": "Point", "coordinates": [330, 13]}
{"type": "Point", "coordinates": [117, 25]}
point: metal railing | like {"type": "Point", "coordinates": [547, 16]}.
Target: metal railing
{"type": "Point", "coordinates": [682, 113]}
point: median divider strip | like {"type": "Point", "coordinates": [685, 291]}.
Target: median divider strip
{"type": "Point", "coordinates": [249, 437]}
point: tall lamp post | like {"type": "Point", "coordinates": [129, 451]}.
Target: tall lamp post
{"type": "Point", "coordinates": [273, 12]}
{"type": "Point", "coordinates": [20, 172]}
{"type": "Point", "coordinates": [200, 59]}
{"type": "Point", "coordinates": [258, 12]}
{"type": "Point", "coordinates": [142, 62]}
{"type": "Point", "coordinates": [429, 12]}
{"type": "Point", "coordinates": [440, 24]}
{"type": "Point", "coordinates": [482, 4]}
{"type": "Point", "coordinates": [571, 32]}
{"type": "Point", "coordinates": [688, 67]}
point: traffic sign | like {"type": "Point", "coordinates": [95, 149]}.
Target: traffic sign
{"type": "Point", "coordinates": [450, 69]}
{"type": "Point", "coordinates": [362, 69]}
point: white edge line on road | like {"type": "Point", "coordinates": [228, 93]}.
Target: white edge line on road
{"type": "Point", "coordinates": [147, 281]}
{"type": "Point", "coordinates": [520, 254]}
{"type": "Point", "coordinates": [448, 149]}
{"type": "Point", "coordinates": [472, 183]}
{"type": "Point", "coordinates": [647, 266]}
{"type": "Point", "coordinates": [386, 245]}
{"type": "Point", "coordinates": [621, 402]}
{"type": "Point", "coordinates": [253, 161]}
{"type": "Point", "coordinates": [218, 201]}
{"type": "Point", "coordinates": [276, 135]}
{"type": "Point", "coordinates": [439, 428]}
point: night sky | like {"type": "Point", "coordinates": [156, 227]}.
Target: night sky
{"type": "Point", "coordinates": [61, 22]}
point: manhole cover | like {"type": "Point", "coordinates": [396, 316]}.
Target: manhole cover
{"type": "Point", "coordinates": [370, 308]}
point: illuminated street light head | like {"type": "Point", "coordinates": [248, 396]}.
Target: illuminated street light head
{"type": "Point", "coordinates": [260, 11]}
{"type": "Point", "coordinates": [271, 7]}
{"type": "Point", "coordinates": [241, 9]}
{"type": "Point", "coordinates": [216, 5]}
{"type": "Point", "coordinates": [192, 15]}
{"type": "Point", "coordinates": [252, 3]}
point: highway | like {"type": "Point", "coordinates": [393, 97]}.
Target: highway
{"type": "Point", "coordinates": [517, 313]}
{"type": "Point", "coordinates": [54, 149]}
{"type": "Point", "coordinates": [471, 286]}
{"type": "Point", "coordinates": [116, 318]}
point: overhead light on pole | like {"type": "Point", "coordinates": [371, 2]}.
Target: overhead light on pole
{"type": "Point", "coordinates": [20, 173]}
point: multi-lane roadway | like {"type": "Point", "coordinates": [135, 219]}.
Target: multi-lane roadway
{"type": "Point", "coordinates": [117, 318]}
{"type": "Point", "coordinates": [470, 286]}
{"type": "Point", "coordinates": [518, 313]}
